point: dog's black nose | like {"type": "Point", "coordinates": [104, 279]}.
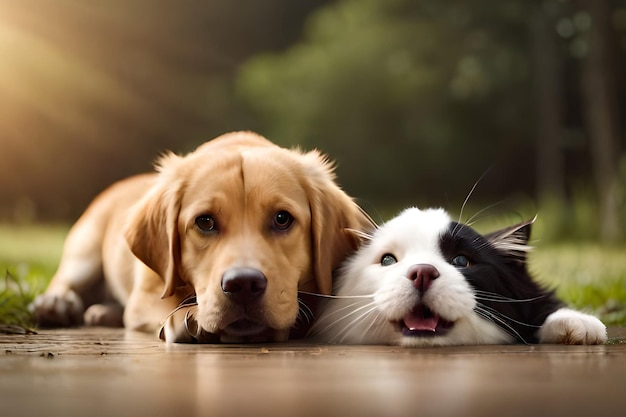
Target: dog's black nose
{"type": "Point", "coordinates": [422, 276]}
{"type": "Point", "coordinates": [244, 285]}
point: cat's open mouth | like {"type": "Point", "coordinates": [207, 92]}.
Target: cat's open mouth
{"type": "Point", "coordinates": [423, 322]}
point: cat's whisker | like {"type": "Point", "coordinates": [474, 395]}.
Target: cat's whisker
{"type": "Point", "coordinates": [376, 326]}
{"type": "Point", "coordinates": [472, 220]}
{"type": "Point", "coordinates": [363, 235]}
{"type": "Point", "coordinates": [469, 195]}
{"type": "Point", "coordinates": [497, 298]}
{"type": "Point", "coordinates": [379, 324]}
{"type": "Point", "coordinates": [346, 307]}
{"type": "Point", "coordinates": [355, 311]}
{"type": "Point", "coordinates": [339, 297]}
{"type": "Point", "coordinates": [503, 319]}
{"type": "Point", "coordinates": [496, 317]}
{"type": "Point", "coordinates": [190, 301]}
{"type": "Point", "coordinates": [349, 327]}
{"type": "Point", "coordinates": [521, 323]}
{"type": "Point", "coordinates": [327, 322]}
{"type": "Point", "coordinates": [325, 327]}
{"type": "Point", "coordinates": [306, 311]}
{"type": "Point", "coordinates": [508, 300]}
{"type": "Point", "coordinates": [460, 220]}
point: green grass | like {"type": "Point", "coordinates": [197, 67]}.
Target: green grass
{"type": "Point", "coordinates": [588, 276]}
{"type": "Point", "coordinates": [29, 256]}
{"type": "Point", "coordinates": [15, 297]}
{"type": "Point", "coordinates": [33, 251]}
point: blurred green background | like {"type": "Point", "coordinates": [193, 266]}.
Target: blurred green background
{"type": "Point", "coordinates": [416, 100]}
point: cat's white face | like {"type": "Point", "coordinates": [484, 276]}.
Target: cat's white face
{"type": "Point", "coordinates": [419, 298]}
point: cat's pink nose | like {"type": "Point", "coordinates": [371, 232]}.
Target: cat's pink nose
{"type": "Point", "coordinates": [422, 276]}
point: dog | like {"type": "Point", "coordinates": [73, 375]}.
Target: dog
{"type": "Point", "coordinates": [422, 279]}
{"type": "Point", "coordinates": [213, 247]}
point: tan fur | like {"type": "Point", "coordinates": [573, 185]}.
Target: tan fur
{"type": "Point", "coordinates": [137, 245]}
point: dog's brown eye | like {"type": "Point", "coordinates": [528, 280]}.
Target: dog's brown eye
{"type": "Point", "coordinates": [282, 220]}
{"type": "Point", "coordinates": [205, 223]}
{"type": "Point", "coordinates": [388, 259]}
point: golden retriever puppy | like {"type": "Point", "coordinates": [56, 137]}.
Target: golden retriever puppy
{"type": "Point", "coordinates": [239, 227]}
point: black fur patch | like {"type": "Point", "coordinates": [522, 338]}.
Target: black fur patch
{"type": "Point", "coordinates": [493, 270]}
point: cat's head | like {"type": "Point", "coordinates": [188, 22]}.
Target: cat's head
{"type": "Point", "coordinates": [439, 282]}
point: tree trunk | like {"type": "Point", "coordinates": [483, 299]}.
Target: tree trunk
{"type": "Point", "coordinates": [599, 89]}
{"type": "Point", "coordinates": [549, 108]}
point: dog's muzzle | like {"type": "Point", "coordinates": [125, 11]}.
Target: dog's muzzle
{"type": "Point", "coordinates": [244, 286]}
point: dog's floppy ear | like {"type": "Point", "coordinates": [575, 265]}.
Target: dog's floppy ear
{"type": "Point", "coordinates": [335, 221]}
{"type": "Point", "coordinates": [152, 230]}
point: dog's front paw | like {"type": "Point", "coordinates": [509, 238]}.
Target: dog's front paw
{"type": "Point", "coordinates": [572, 327]}
{"type": "Point", "coordinates": [108, 315]}
{"type": "Point", "coordinates": [181, 327]}
{"type": "Point", "coordinates": [53, 310]}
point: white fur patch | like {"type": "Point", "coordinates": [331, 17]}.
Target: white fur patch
{"type": "Point", "coordinates": [572, 328]}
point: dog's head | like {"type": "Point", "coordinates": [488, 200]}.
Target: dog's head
{"type": "Point", "coordinates": [246, 224]}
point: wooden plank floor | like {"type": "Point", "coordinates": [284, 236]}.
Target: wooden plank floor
{"type": "Point", "coordinates": [108, 372]}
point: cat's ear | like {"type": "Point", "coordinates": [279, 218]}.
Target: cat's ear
{"type": "Point", "coordinates": [513, 241]}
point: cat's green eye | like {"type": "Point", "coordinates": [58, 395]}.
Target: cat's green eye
{"type": "Point", "coordinates": [460, 261]}
{"type": "Point", "coordinates": [388, 259]}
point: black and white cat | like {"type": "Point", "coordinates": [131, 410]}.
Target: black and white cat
{"type": "Point", "coordinates": [422, 279]}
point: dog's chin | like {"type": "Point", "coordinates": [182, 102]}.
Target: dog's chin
{"type": "Point", "coordinates": [239, 329]}
{"type": "Point", "coordinates": [422, 322]}
{"type": "Point", "coordinates": [250, 331]}
{"type": "Point", "coordinates": [243, 331]}
{"type": "Point", "coordinates": [247, 329]}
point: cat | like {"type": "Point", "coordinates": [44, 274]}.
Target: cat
{"type": "Point", "coordinates": [422, 279]}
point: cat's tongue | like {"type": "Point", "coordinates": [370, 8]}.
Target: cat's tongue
{"type": "Point", "coordinates": [421, 318]}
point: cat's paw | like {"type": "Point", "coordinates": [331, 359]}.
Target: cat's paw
{"type": "Point", "coordinates": [54, 310]}
{"type": "Point", "coordinates": [572, 327]}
